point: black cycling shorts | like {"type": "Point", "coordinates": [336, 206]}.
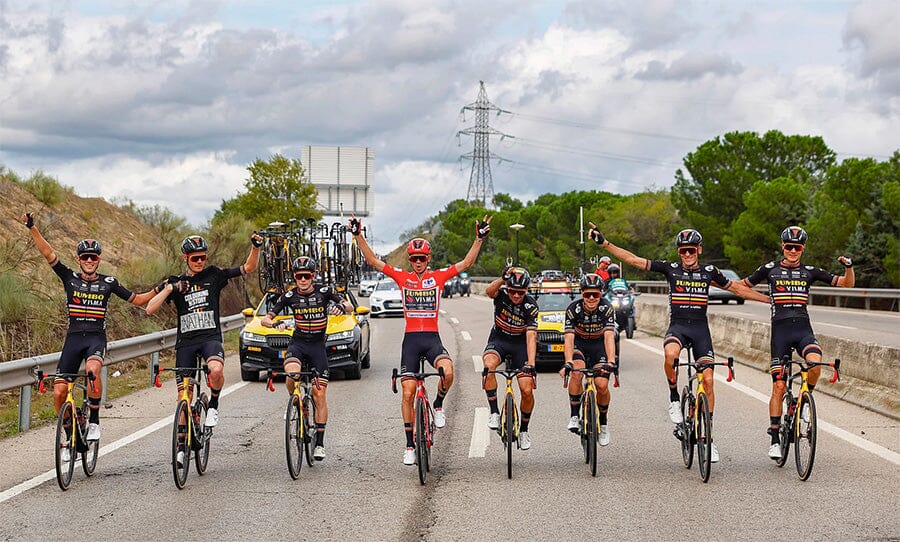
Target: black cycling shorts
{"type": "Point", "coordinates": [417, 345]}
{"type": "Point", "coordinates": [310, 355]}
{"type": "Point", "coordinates": [79, 347]}
{"type": "Point", "coordinates": [694, 334]}
{"type": "Point", "coordinates": [789, 335]}
{"type": "Point", "coordinates": [508, 347]}
{"type": "Point", "coordinates": [592, 352]}
{"type": "Point", "coordinates": [186, 356]}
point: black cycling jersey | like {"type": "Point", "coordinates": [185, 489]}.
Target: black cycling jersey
{"type": "Point", "coordinates": [589, 325]}
{"type": "Point", "coordinates": [789, 287]}
{"type": "Point", "coordinates": [310, 311]}
{"type": "Point", "coordinates": [514, 319]}
{"type": "Point", "coordinates": [86, 301]}
{"type": "Point", "coordinates": [689, 288]}
{"type": "Point", "coordinates": [198, 308]}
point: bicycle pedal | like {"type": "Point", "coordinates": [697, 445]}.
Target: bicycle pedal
{"type": "Point", "coordinates": [678, 433]}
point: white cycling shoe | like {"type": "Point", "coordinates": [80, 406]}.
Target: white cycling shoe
{"type": "Point", "coordinates": [775, 451]}
{"type": "Point", "coordinates": [93, 431]}
{"type": "Point", "coordinates": [494, 421]}
{"type": "Point", "coordinates": [440, 419]}
{"type": "Point", "coordinates": [212, 417]}
{"type": "Point", "coordinates": [179, 459]}
{"type": "Point", "coordinates": [319, 453]}
{"type": "Point", "coordinates": [409, 456]}
{"type": "Point", "coordinates": [714, 454]}
{"type": "Point", "coordinates": [524, 440]}
{"type": "Point", "coordinates": [675, 412]}
{"type": "Point", "coordinates": [574, 424]}
{"type": "Point", "coordinates": [604, 435]}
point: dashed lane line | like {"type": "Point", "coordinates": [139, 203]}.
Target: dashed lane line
{"type": "Point", "coordinates": [454, 320]}
{"type": "Point", "coordinates": [465, 335]}
{"type": "Point", "coordinates": [481, 435]}
{"type": "Point", "coordinates": [846, 436]}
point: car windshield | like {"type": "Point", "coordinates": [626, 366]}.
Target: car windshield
{"type": "Point", "coordinates": [554, 302]}
{"type": "Point", "coordinates": [271, 299]}
{"type": "Point", "coordinates": [386, 285]}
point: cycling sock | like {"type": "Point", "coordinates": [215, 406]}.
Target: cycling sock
{"type": "Point", "coordinates": [409, 436]}
{"type": "Point", "coordinates": [94, 405]}
{"type": "Point", "coordinates": [214, 397]}
{"type": "Point", "coordinates": [492, 401]}
{"type": "Point", "coordinates": [811, 387]}
{"type": "Point", "coordinates": [439, 399]}
{"type": "Point", "coordinates": [673, 390]}
{"type": "Point", "coordinates": [574, 403]}
{"type": "Point", "coordinates": [775, 422]}
{"type": "Point", "coordinates": [523, 425]}
{"type": "Point", "coordinates": [320, 434]}
{"type": "Point", "coordinates": [603, 411]}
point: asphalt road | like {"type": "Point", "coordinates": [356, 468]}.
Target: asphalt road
{"type": "Point", "coordinates": [362, 491]}
{"type": "Point", "coordinates": [878, 327]}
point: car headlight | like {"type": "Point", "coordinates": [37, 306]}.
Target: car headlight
{"type": "Point", "coordinates": [250, 337]}
{"type": "Point", "coordinates": [376, 299]}
{"type": "Point", "coordinates": [340, 336]}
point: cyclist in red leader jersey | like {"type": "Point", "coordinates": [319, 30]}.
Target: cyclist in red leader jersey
{"type": "Point", "coordinates": [421, 300]}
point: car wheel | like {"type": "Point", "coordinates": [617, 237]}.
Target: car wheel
{"type": "Point", "coordinates": [724, 301]}
{"type": "Point", "coordinates": [251, 375]}
{"type": "Point", "coordinates": [355, 372]}
{"type": "Point", "coordinates": [740, 301]}
{"type": "Point", "coordinates": [367, 360]}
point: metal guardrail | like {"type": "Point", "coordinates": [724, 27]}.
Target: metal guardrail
{"type": "Point", "coordinates": [19, 373]}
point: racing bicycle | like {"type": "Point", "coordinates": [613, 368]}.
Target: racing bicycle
{"type": "Point", "coordinates": [423, 426]}
{"type": "Point", "coordinates": [189, 431]}
{"type": "Point", "coordinates": [299, 418]}
{"type": "Point", "coordinates": [589, 412]}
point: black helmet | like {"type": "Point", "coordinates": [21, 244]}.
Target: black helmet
{"type": "Point", "coordinates": [89, 246]}
{"type": "Point", "coordinates": [592, 281]}
{"type": "Point", "coordinates": [518, 278]}
{"type": "Point", "coordinates": [688, 237]}
{"type": "Point", "coordinates": [613, 269]}
{"type": "Point", "coordinates": [303, 263]}
{"type": "Point", "coordinates": [193, 243]}
{"type": "Point", "coordinates": [794, 234]}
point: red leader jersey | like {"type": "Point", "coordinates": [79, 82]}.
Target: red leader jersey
{"type": "Point", "coordinates": [421, 295]}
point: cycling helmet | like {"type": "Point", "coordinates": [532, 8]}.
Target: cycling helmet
{"type": "Point", "coordinates": [303, 263]}
{"type": "Point", "coordinates": [614, 271]}
{"type": "Point", "coordinates": [193, 243]}
{"type": "Point", "coordinates": [518, 278]}
{"type": "Point", "coordinates": [89, 246]}
{"type": "Point", "coordinates": [605, 259]}
{"type": "Point", "coordinates": [794, 234]}
{"type": "Point", "coordinates": [592, 281]}
{"type": "Point", "coordinates": [418, 246]}
{"type": "Point", "coordinates": [688, 237]}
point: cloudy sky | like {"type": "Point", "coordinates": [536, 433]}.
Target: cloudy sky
{"type": "Point", "coordinates": [167, 102]}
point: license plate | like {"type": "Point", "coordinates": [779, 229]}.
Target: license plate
{"type": "Point", "coordinates": [556, 348]}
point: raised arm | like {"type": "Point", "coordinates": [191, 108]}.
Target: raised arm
{"type": "Point", "coordinates": [848, 279]}
{"type": "Point", "coordinates": [368, 253]}
{"type": "Point", "coordinates": [494, 287]}
{"type": "Point", "coordinates": [253, 258]}
{"type": "Point", "coordinates": [482, 228]}
{"type": "Point", "coordinates": [620, 253]}
{"type": "Point", "coordinates": [42, 245]}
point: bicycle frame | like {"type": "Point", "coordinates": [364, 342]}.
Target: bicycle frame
{"type": "Point", "coordinates": [803, 376]}
{"type": "Point", "coordinates": [187, 386]}
{"type": "Point", "coordinates": [71, 384]}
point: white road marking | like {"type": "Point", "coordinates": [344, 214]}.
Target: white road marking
{"type": "Point", "coordinates": [113, 446]}
{"type": "Point", "coordinates": [442, 311]}
{"type": "Point", "coordinates": [842, 434]}
{"type": "Point", "coordinates": [465, 335]}
{"type": "Point", "coordinates": [478, 363]}
{"type": "Point", "coordinates": [481, 435]}
{"type": "Point", "coordinates": [835, 325]}
{"type": "Point", "coordinates": [742, 313]}
{"type": "Point", "coordinates": [454, 320]}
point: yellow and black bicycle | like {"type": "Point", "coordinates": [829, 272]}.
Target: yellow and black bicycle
{"type": "Point", "coordinates": [589, 412]}
{"type": "Point", "coordinates": [800, 429]}
{"type": "Point", "coordinates": [696, 425]}
{"type": "Point", "coordinates": [189, 431]}
{"type": "Point", "coordinates": [509, 413]}
{"type": "Point", "coordinates": [72, 427]}
{"type": "Point", "coordinates": [299, 419]}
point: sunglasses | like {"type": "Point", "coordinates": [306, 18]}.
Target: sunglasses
{"type": "Point", "coordinates": [303, 276]}
{"type": "Point", "coordinates": [591, 295]}
{"type": "Point", "coordinates": [89, 258]}
{"type": "Point", "coordinates": [516, 293]}
{"type": "Point", "coordinates": [417, 259]}
{"type": "Point", "coordinates": [687, 251]}
{"type": "Point", "coordinates": [198, 258]}
{"type": "Point", "coordinates": [793, 248]}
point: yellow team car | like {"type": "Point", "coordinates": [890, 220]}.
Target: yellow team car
{"type": "Point", "coordinates": [346, 340]}
{"type": "Point", "coordinates": [553, 297]}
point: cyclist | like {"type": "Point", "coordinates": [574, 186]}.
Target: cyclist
{"type": "Point", "coordinates": [603, 268]}
{"type": "Point", "coordinates": [421, 300]}
{"type": "Point", "coordinates": [689, 283]}
{"type": "Point", "coordinates": [789, 281]}
{"type": "Point", "coordinates": [87, 298]}
{"type": "Point", "coordinates": [615, 280]}
{"type": "Point", "coordinates": [195, 294]}
{"type": "Point", "coordinates": [310, 307]}
{"type": "Point", "coordinates": [513, 337]}
{"type": "Point", "coordinates": [589, 334]}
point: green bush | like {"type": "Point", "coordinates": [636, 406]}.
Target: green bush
{"type": "Point", "coordinates": [46, 189]}
{"type": "Point", "coordinates": [14, 297]}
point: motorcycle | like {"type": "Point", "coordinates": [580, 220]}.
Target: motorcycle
{"type": "Point", "coordinates": [622, 301]}
{"type": "Point", "coordinates": [464, 285]}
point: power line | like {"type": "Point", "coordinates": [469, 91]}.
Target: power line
{"type": "Point", "coordinates": [588, 126]}
{"type": "Point", "coordinates": [588, 152]}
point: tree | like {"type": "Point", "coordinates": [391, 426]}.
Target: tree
{"type": "Point", "coordinates": [275, 191]}
{"type": "Point", "coordinates": [505, 202]}
{"type": "Point", "coordinates": [709, 191]}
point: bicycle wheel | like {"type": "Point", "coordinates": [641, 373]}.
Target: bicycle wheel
{"type": "Point", "coordinates": [509, 428]}
{"type": "Point", "coordinates": [309, 433]}
{"type": "Point", "coordinates": [687, 428]}
{"type": "Point", "coordinates": [592, 435]}
{"type": "Point", "coordinates": [583, 429]}
{"type": "Point", "coordinates": [786, 429]}
{"type": "Point", "coordinates": [704, 437]}
{"type": "Point", "coordinates": [91, 449]}
{"type": "Point", "coordinates": [420, 441]}
{"type": "Point", "coordinates": [805, 445]}
{"type": "Point", "coordinates": [294, 429]}
{"type": "Point", "coordinates": [202, 434]}
{"type": "Point", "coordinates": [65, 451]}
{"type": "Point", "coordinates": [180, 445]}
{"type": "Point", "coordinates": [263, 270]}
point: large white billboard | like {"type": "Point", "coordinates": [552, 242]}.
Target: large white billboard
{"type": "Point", "coordinates": [343, 177]}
